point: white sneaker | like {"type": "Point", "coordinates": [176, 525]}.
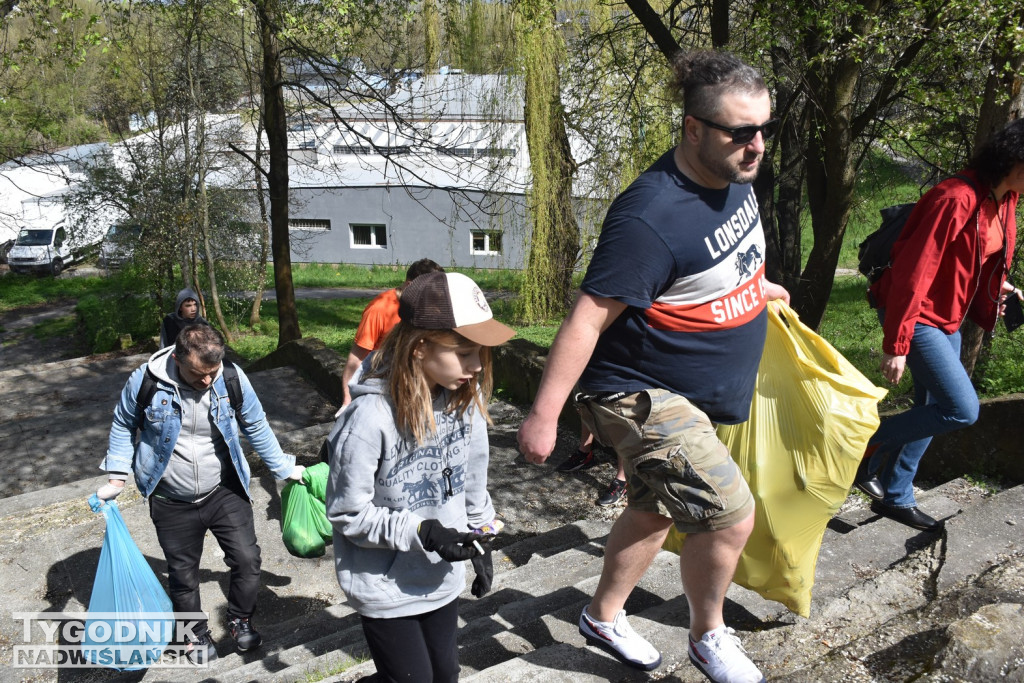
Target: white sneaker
{"type": "Point", "coordinates": [720, 656]}
{"type": "Point", "coordinates": [619, 638]}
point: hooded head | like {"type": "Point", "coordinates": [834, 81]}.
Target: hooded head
{"type": "Point", "coordinates": [185, 310]}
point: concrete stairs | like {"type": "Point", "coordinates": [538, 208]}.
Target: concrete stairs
{"type": "Point", "coordinates": [879, 587]}
{"type": "Point", "coordinates": [887, 600]}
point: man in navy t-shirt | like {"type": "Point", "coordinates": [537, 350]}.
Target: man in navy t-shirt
{"type": "Point", "coordinates": [663, 343]}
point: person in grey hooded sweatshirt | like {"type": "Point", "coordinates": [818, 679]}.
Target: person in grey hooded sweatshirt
{"type": "Point", "coordinates": [407, 493]}
{"type": "Point", "coordinates": [188, 462]}
{"type": "Point", "coordinates": [186, 312]}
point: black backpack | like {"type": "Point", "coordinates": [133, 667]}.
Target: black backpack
{"type": "Point", "coordinates": [875, 252]}
{"type": "Point", "coordinates": [147, 390]}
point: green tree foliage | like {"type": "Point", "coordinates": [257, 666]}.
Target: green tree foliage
{"type": "Point", "coordinates": [555, 239]}
{"type": "Point", "coordinates": [859, 74]}
{"type": "Point", "coordinates": [51, 75]}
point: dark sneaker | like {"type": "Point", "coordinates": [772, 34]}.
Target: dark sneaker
{"type": "Point", "coordinates": [202, 650]}
{"type": "Point", "coordinates": [616, 490]}
{"type": "Point", "coordinates": [720, 656]}
{"type": "Point", "coordinates": [619, 639]}
{"type": "Point", "coordinates": [577, 461]}
{"type": "Point", "coordinates": [246, 637]}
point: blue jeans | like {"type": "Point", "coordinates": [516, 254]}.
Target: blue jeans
{"type": "Point", "coordinates": [944, 401]}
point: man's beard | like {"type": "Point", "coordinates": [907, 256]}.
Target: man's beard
{"type": "Point", "coordinates": [722, 169]}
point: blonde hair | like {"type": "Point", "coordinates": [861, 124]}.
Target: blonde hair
{"type": "Point", "coordinates": [401, 371]}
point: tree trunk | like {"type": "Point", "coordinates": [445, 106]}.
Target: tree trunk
{"type": "Point", "coordinates": [830, 185]}
{"type": "Point", "coordinates": [720, 23]}
{"type": "Point", "coordinates": [555, 245]}
{"type": "Point", "coordinates": [276, 125]}
{"type": "Point", "coordinates": [202, 208]}
{"type": "Point", "coordinates": [257, 302]}
{"type": "Point", "coordinates": [780, 192]}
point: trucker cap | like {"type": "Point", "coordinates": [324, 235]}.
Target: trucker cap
{"type": "Point", "coordinates": [452, 301]}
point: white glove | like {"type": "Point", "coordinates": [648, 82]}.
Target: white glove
{"type": "Point", "coordinates": [109, 491]}
{"type": "Point", "coordinates": [296, 474]}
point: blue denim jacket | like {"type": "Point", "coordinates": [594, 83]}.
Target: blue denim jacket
{"type": "Point", "coordinates": [149, 457]}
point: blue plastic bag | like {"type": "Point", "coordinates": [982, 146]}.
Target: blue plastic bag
{"type": "Point", "coordinates": [131, 619]}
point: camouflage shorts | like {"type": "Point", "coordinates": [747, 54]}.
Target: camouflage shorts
{"type": "Point", "coordinates": [675, 465]}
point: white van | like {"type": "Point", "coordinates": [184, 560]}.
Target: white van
{"type": "Point", "coordinates": [119, 245]}
{"type": "Point", "coordinates": [40, 250]}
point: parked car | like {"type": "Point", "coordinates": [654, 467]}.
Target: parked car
{"type": "Point", "coordinates": [5, 247]}
{"type": "Point", "coordinates": [119, 245]}
{"type": "Point", "coordinates": [41, 250]}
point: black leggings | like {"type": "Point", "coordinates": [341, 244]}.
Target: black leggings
{"type": "Point", "coordinates": [420, 648]}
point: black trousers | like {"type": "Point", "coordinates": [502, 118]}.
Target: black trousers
{"type": "Point", "coordinates": [181, 529]}
{"type": "Point", "coordinates": [421, 648]}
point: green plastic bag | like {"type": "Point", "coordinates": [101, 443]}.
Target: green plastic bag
{"type": "Point", "coordinates": [315, 478]}
{"type": "Point", "coordinates": [304, 525]}
{"type": "Point", "coordinates": [811, 417]}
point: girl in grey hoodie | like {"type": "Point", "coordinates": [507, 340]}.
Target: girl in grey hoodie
{"type": "Point", "coordinates": [408, 482]}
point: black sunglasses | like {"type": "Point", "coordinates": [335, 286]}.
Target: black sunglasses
{"type": "Point", "coordinates": [742, 135]}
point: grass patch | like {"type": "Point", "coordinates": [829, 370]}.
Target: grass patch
{"type": "Point", "coordinates": [20, 291]}
{"type": "Point", "coordinates": [334, 322]}
{"type": "Point", "coordinates": [1001, 371]}
{"type": "Point", "coordinates": [881, 182]}
{"type": "Point", "coordinates": [64, 326]}
{"type": "Point", "coordinates": [385, 277]}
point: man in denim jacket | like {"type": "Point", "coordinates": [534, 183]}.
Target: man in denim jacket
{"type": "Point", "coordinates": [188, 462]}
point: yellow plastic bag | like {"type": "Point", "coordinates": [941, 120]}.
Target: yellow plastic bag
{"type": "Point", "coordinates": [811, 417]}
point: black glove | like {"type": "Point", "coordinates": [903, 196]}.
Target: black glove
{"type": "Point", "coordinates": [484, 569]}
{"type": "Point", "coordinates": [451, 545]}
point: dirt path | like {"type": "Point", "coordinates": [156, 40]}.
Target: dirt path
{"type": "Point", "coordinates": [19, 345]}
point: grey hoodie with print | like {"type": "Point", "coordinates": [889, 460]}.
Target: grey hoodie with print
{"type": "Point", "coordinates": [382, 486]}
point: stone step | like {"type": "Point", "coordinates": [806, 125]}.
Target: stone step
{"type": "Point", "coordinates": [495, 633]}
{"type": "Point", "coordinates": [343, 645]}
{"type": "Point", "coordinates": [535, 606]}
{"type": "Point", "coordinates": [52, 552]}
{"type": "Point", "coordinates": [35, 378]}
{"type": "Point", "coordinates": [896, 577]}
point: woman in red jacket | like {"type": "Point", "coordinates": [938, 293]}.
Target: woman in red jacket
{"type": "Point", "coordinates": [950, 262]}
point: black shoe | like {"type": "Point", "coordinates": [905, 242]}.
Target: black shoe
{"type": "Point", "coordinates": [615, 491]}
{"type": "Point", "coordinates": [202, 650]}
{"type": "Point", "coordinates": [911, 516]}
{"type": "Point", "coordinates": [246, 637]}
{"type": "Point", "coordinates": [577, 461]}
{"type": "Point", "coordinates": [871, 486]}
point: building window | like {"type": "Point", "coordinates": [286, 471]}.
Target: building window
{"type": "Point", "coordinates": [311, 224]}
{"type": "Point", "coordinates": [383, 150]}
{"type": "Point", "coordinates": [480, 152]}
{"type": "Point", "coordinates": [353, 149]}
{"type": "Point", "coordinates": [369, 236]}
{"type": "Point", "coordinates": [486, 242]}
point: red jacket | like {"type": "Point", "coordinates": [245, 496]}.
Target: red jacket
{"type": "Point", "coordinates": [937, 275]}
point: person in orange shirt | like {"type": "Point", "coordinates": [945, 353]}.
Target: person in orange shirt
{"type": "Point", "coordinates": [379, 316]}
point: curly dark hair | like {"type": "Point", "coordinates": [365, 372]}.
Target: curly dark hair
{"type": "Point", "coordinates": [703, 76]}
{"type": "Point", "coordinates": [994, 160]}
